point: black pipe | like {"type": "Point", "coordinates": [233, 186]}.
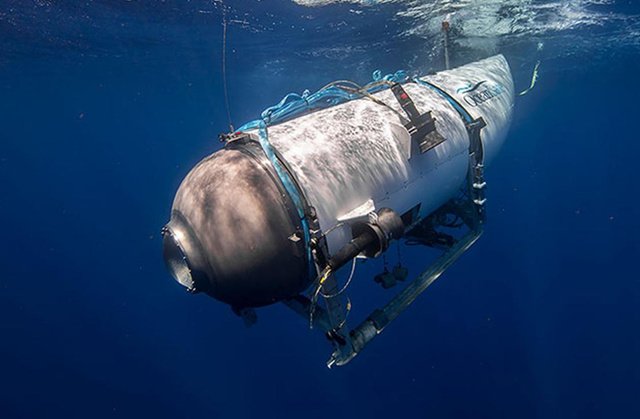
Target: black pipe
{"type": "Point", "coordinates": [371, 239]}
{"type": "Point", "coordinates": [352, 249]}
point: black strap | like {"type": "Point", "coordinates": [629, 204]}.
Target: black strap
{"type": "Point", "coordinates": [421, 127]}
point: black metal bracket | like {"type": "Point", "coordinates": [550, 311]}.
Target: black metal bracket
{"type": "Point", "coordinates": [421, 127]}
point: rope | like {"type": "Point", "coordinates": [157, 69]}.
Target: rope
{"type": "Point", "coordinates": [224, 66]}
{"type": "Point", "coordinates": [534, 76]}
{"type": "Point", "coordinates": [534, 79]}
{"type": "Point", "coordinates": [334, 93]}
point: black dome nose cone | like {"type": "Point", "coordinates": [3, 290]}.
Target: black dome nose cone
{"type": "Point", "coordinates": [243, 222]}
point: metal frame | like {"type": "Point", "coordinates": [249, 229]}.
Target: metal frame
{"type": "Point", "coordinates": [331, 319]}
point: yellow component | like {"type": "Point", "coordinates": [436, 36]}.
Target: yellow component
{"type": "Point", "coordinates": [324, 277]}
{"type": "Point", "coordinates": [321, 282]}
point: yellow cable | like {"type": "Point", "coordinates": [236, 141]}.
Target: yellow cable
{"type": "Point", "coordinates": [534, 79]}
{"type": "Point", "coordinates": [314, 299]}
{"type": "Point", "coordinates": [325, 276]}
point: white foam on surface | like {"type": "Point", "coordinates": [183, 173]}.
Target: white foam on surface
{"type": "Point", "coordinates": [495, 18]}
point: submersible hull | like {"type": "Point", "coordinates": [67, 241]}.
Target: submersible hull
{"type": "Point", "coordinates": [235, 230]}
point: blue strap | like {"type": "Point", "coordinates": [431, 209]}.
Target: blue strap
{"type": "Point", "coordinates": [284, 176]}
{"type": "Point", "coordinates": [456, 105]}
{"type": "Point", "coordinates": [293, 105]}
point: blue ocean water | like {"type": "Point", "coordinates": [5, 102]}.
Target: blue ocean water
{"type": "Point", "coordinates": [105, 106]}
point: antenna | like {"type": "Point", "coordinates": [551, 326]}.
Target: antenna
{"type": "Point", "coordinates": [445, 31]}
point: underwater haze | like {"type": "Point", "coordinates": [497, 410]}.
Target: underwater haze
{"type": "Point", "coordinates": [106, 105]}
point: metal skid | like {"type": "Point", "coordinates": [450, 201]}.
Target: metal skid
{"type": "Point", "coordinates": [331, 319]}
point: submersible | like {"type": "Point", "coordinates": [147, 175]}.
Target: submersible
{"type": "Point", "coordinates": [319, 180]}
